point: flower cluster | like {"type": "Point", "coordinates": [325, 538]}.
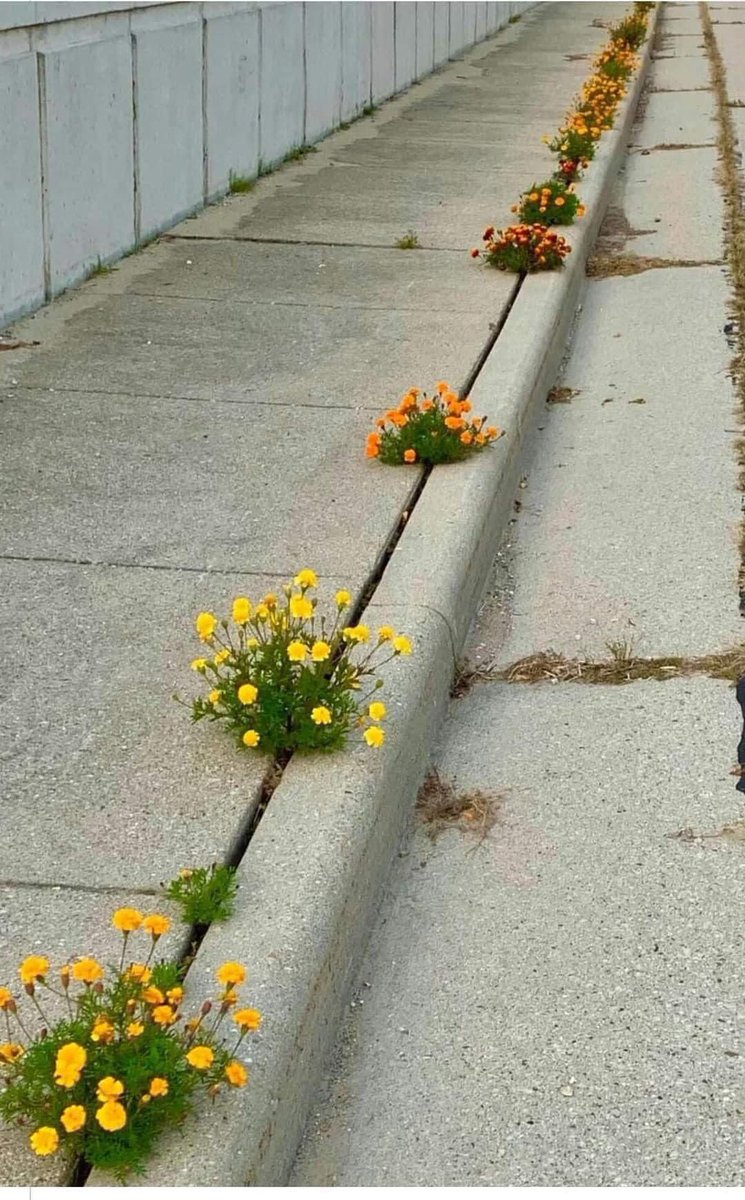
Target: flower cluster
{"type": "Point", "coordinates": [430, 430]}
{"type": "Point", "coordinates": [284, 678]}
{"type": "Point", "coordinates": [549, 203]}
{"type": "Point", "coordinates": [523, 248]}
{"type": "Point", "coordinates": [121, 1063]}
{"type": "Point", "coordinates": [601, 94]}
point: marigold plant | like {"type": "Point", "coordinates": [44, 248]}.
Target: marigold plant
{"type": "Point", "coordinates": [575, 141]}
{"type": "Point", "coordinates": [616, 62]}
{"type": "Point", "coordinates": [523, 248]}
{"type": "Point", "coordinates": [549, 203]}
{"type": "Point", "coordinates": [631, 31]}
{"type": "Point", "coordinates": [284, 678]}
{"type": "Point", "coordinates": [122, 1063]}
{"type": "Point", "coordinates": [431, 430]}
{"type": "Point", "coordinates": [205, 895]}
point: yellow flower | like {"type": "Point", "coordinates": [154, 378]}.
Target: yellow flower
{"type": "Point", "coordinates": [247, 693]}
{"type": "Point", "coordinates": [402, 645]}
{"type": "Point", "coordinates": [10, 1051]}
{"type": "Point", "coordinates": [175, 995]}
{"type": "Point", "coordinates": [134, 1029]}
{"type": "Point", "coordinates": [320, 651]}
{"type": "Point", "coordinates": [374, 736]}
{"type": "Point", "coordinates": [214, 696]}
{"type": "Point", "coordinates": [156, 925]}
{"type": "Point", "coordinates": [112, 1116]}
{"type": "Point", "coordinates": [199, 664]}
{"type": "Point", "coordinates": [242, 609]}
{"type": "Point", "coordinates": [386, 633]}
{"type": "Point", "coordinates": [251, 738]}
{"type": "Point", "coordinates": [252, 643]}
{"type": "Point", "coordinates": [230, 974]}
{"type": "Point", "coordinates": [221, 657]}
{"type": "Point", "coordinates": [262, 611]}
{"type": "Point", "coordinates": [163, 1014]}
{"type": "Point", "coordinates": [127, 919]}
{"type": "Point", "coordinates": [73, 1118]}
{"type": "Point", "coordinates": [356, 633]}
{"type": "Point", "coordinates": [44, 1140]}
{"type": "Point", "coordinates": [247, 1018]}
{"type": "Point", "coordinates": [306, 579]}
{"type": "Point", "coordinates": [377, 710]}
{"type": "Point", "coordinates": [236, 1073]}
{"type": "Point", "coordinates": [296, 651]}
{"type": "Point", "coordinates": [87, 970]}
{"type": "Point", "coordinates": [32, 968]}
{"type": "Point", "coordinates": [102, 1031]}
{"type": "Point", "coordinates": [139, 972]}
{"type": "Point", "coordinates": [153, 995]}
{"type": "Point", "coordinates": [70, 1060]}
{"type": "Point", "coordinates": [343, 598]}
{"type": "Point", "coordinates": [201, 1057]}
{"type": "Point", "coordinates": [321, 715]}
{"type": "Point", "coordinates": [109, 1088]}
{"type": "Point", "coordinates": [301, 608]}
{"type": "Point", "coordinates": [158, 1086]}
{"type": "Point", "coordinates": [206, 625]}
{"type": "Point", "coordinates": [6, 997]}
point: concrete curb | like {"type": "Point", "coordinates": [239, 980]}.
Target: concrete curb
{"type": "Point", "coordinates": [313, 872]}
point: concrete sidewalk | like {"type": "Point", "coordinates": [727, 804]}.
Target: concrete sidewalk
{"type": "Point", "coordinates": [561, 1005]}
{"type": "Point", "coordinates": [193, 426]}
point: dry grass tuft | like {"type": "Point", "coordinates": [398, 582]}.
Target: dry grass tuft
{"type": "Point", "coordinates": [440, 806]}
{"type": "Point", "coordinates": [562, 395]}
{"type": "Point", "coordinates": [601, 266]}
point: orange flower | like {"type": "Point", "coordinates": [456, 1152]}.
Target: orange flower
{"type": "Point", "coordinates": [454, 422]}
{"type": "Point", "coordinates": [372, 449]}
{"type": "Point", "coordinates": [409, 456]}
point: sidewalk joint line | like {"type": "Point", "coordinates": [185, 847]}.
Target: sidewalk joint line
{"type": "Point", "coordinates": [278, 241]}
{"type": "Point", "coordinates": [95, 562]}
{"type": "Point", "coordinates": [83, 391]}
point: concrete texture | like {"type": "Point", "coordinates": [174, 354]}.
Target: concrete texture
{"type": "Point", "coordinates": [673, 118]}
{"type": "Point", "coordinates": [690, 227]}
{"type": "Point", "coordinates": [20, 185]}
{"type": "Point", "coordinates": [168, 100]}
{"type": "Point", "coordinates": [88, 155]}
{"type": "Point", "coordinates": [323, 69]}
{"type": "Point", "coordinates": [62, 924]}
{"type": "Point", "coordinates": [356, 61]}
{"type": "Point", "coordinates": [603, 543]}
{"type": "Point", "coordinates": [560, 1005]}
{"type": "Point", "coordinates": [231, 47]}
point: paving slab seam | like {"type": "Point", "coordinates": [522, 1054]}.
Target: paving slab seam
{"type": "Point", "coordinates": [266, 241]}
{"type": "Point", "coordinates": [333, 829]}
{"type": "Point", "coordinates": [251, 403]}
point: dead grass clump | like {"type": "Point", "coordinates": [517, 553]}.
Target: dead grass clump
{"type": "Point", "coordinates": [440, 806]}
{"type": "Point", "coordinates": [561, 395]}
{"type": "Point", "coordinates": [601, 266]}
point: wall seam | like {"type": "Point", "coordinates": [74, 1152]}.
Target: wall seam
{"type": "Point", "coordinates": [205, 118]}
{"type": "Point", "coordinates": [41, 86]}
{"type": "Point", "coordinates": [136, 189]}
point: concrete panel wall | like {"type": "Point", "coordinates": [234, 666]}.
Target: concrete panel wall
{"type": "Point", "coordinates": [169, 150]}
{"type": "Point", "coordinates": [135, 113]}
{"type": "Point", "coordinates": [323, 23]}
{"type": "Point", "coordinates": [21, 230]}
{"type": "Point", "coordinates": [87, 157]}
{"type": "Point", "coordinates": [383, 50]}
{"type": "Point", "coordinates": [231, 66]}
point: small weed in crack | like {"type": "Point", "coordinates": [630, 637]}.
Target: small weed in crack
{"type": "Point", "coordinates": [562, 395]}
{"type": "Point", "coordinates": [728, 833]}
{"type": "Point", "coordinates": [441, 806]}
{"type": "Point", "coordinates": [601, 266]}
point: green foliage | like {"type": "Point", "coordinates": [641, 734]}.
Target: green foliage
{"type": "Point", "coordinates": [549, 203]}
{"type": "Point", "coordinates": [104, 1080]}
{"type": "Point", "coordinates": [408, 241]}
{"type": "Point", "coordinates": [282, 678]}
{"type": "Point", "coordinates": [205, 895]}
{"type": "Point", "coordinates": [240, 184]}
{"type": "Point", "coordinates": [631, 31]}
{"type": "Point", "coordinates": [574, 145]}
{"type": "Point", "coordinates": [430, 431]}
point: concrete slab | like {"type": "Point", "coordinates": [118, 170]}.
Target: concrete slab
{"type": "Point", "coordinates": [97, 754]}
{"type": "Point", "coordinates": [232, 96]}
{"type": "Point", "coordinates": [312, 357]}
{"type": "Point", "coordinates": [425, 37]}
{"type": "Point", "coordinates": [645, 551]}
{"type": "Point", "coordinates": [383, 52]}
{"type": "Point", "coordinates": [20, 186]}
{"type": "Point", "coordinates": [680, 26]}
{"type": "Point", "coordinates": [731, 42]}
{"type": "Point", "coordinates": [189, 485]}
{"type": "Point", "coordinates": [356, 83]}
{"type": "Point", "coordinates": [441, 34]}
{"type": "Point", "coordinates": [323, 276]}
{"type": "Point", "coordinates": [88, 90]}
{"type": "Point", "coordinates": [62, 924]}
{"type": "Point", "coordinates": [405, 34]}
{"type": "Point", "coordinates": [691, 227]}
{"type": "Point", "coordinates": [675, 118]}
{"type": "Point", "coordinates": [680, 74]}
{"type": "Point", "coordinates": [168, 98]}
{"type": "Point", "coordinates": [560, 1005]}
